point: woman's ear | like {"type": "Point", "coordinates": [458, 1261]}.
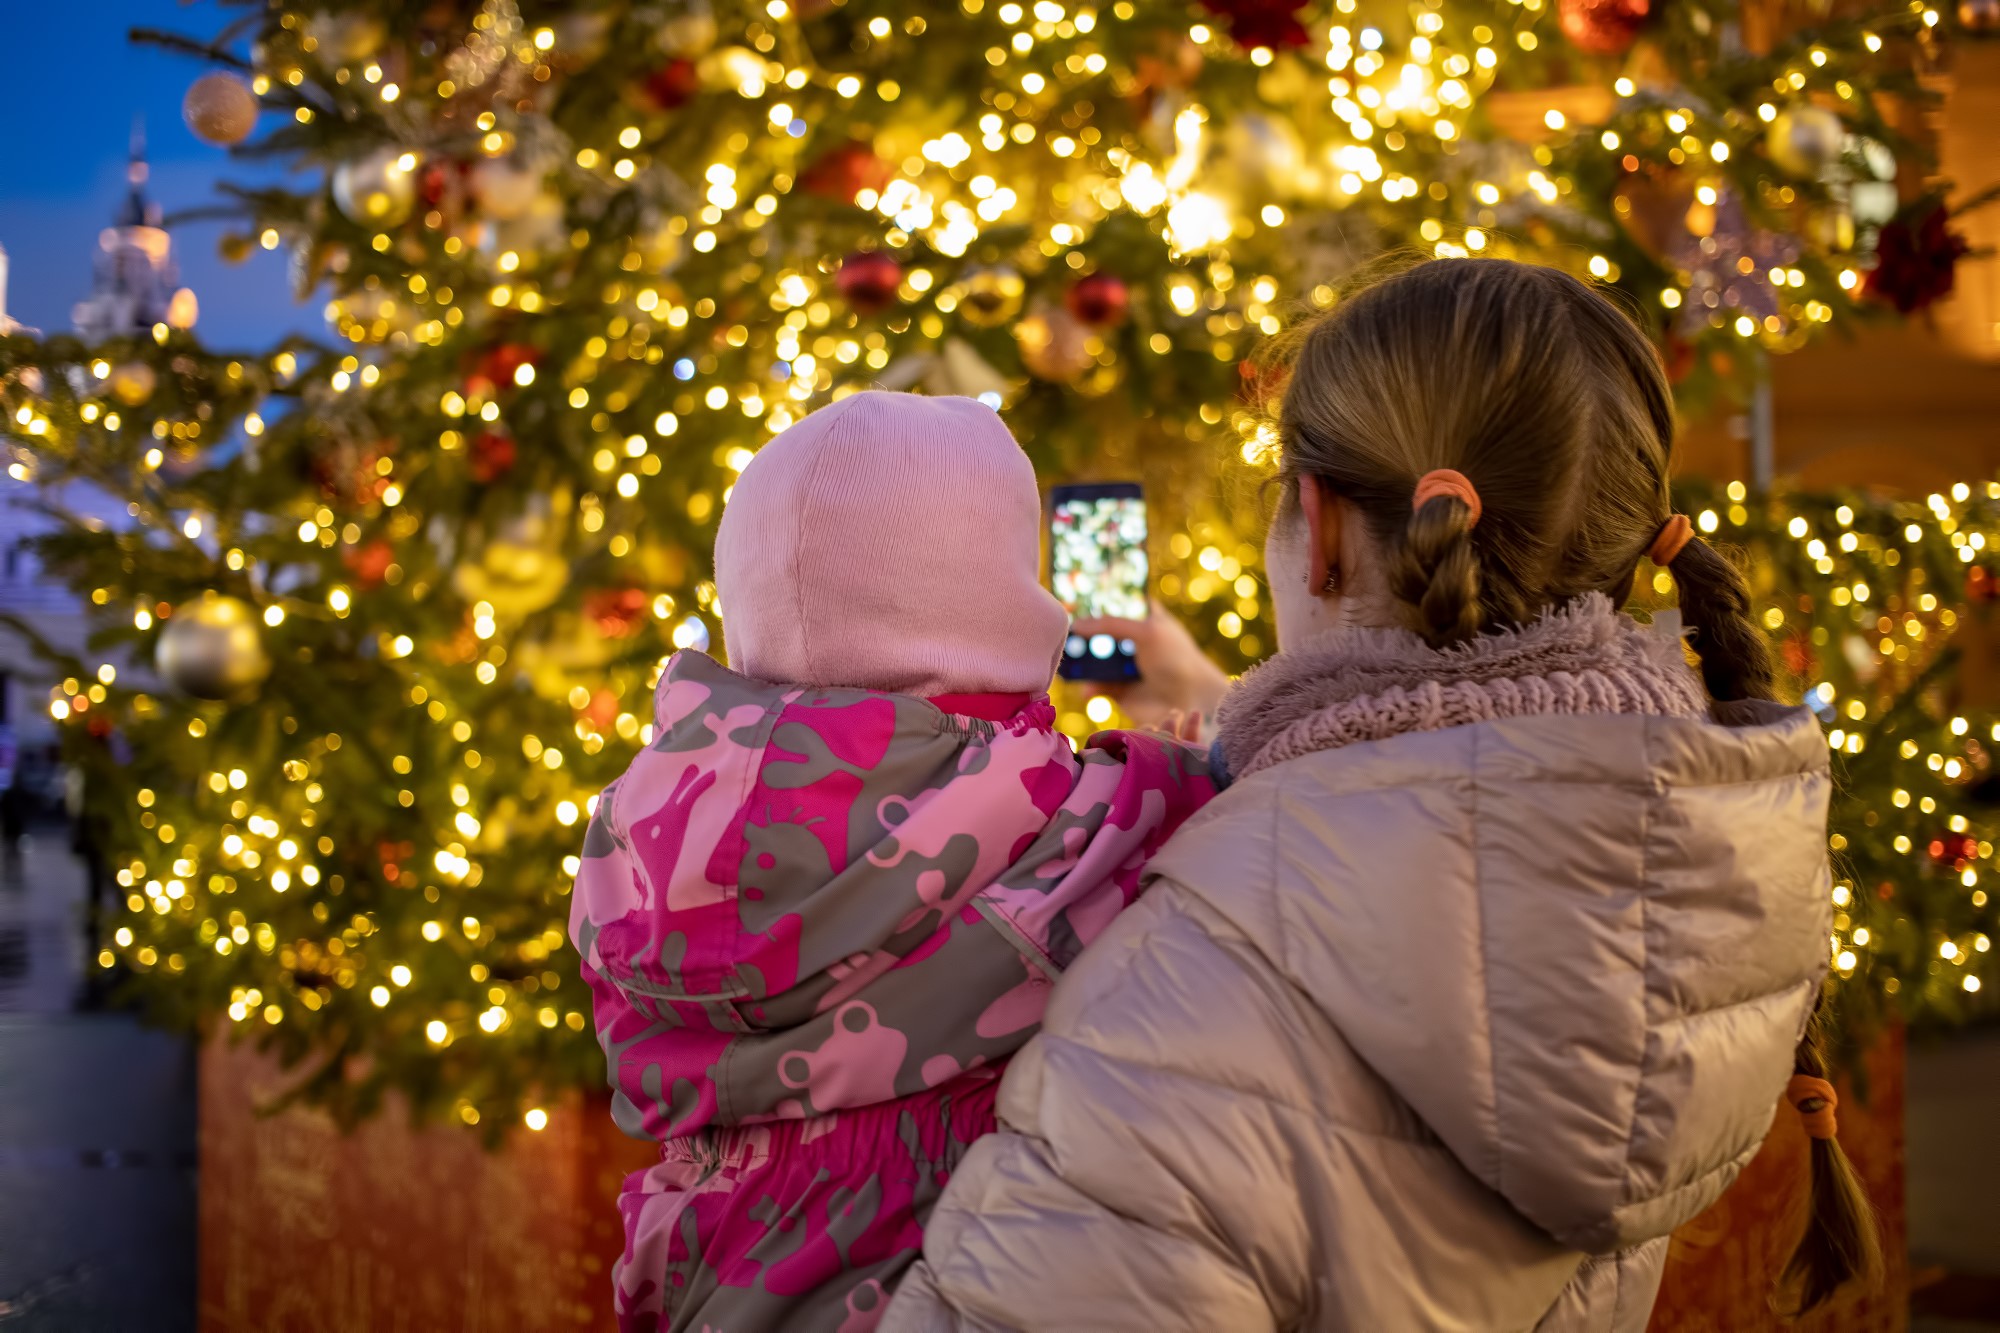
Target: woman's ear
{"type": "Point", "coordinates": [1322, 514]}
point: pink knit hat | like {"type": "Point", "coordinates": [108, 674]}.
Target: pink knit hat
{"type": "Point", "coordinates": [889, 542]}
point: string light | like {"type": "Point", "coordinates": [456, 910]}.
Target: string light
{"type": "Point", "coordinates": [663, 375]}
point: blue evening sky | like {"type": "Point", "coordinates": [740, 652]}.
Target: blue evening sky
{"type": "Point", "coordinates": [73, 85]}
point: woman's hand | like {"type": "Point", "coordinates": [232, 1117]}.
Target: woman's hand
{"type": "Point", "coordinates": [1175, 676]}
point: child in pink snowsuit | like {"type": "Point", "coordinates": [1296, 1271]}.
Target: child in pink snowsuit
{"type": "Point", "coordinates": [826, 903]}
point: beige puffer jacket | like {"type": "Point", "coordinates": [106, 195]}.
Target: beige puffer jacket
{"type": "Point", "coordinates": [1442, 1031]}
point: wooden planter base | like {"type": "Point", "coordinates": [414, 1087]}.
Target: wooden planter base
{"type": "Point", "coordinates": [1722, 1264]}
{"type": "Point", "coordinates": [401, 1230]}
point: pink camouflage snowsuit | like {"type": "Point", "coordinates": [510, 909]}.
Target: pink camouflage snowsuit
{"type": "Point", "coordinates": [816, 922]}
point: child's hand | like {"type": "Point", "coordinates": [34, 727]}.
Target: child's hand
{"type": "Point", "coordinates": [1176, 679]}
{"type": "Point", "coordinates": [1181, 726]}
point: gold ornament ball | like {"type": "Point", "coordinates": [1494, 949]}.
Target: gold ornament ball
{"type": "Point", "coordinates": [220, 109]}
{"type": "Point", "coordinates": [347, 37]}
{"type": "Point", "coordinates": [989, 297]}
{"type": "Point", "coordinates": [132, 382]}
{"type": "Point", "coordinates": [213, 648]}
{"type": "Point", "coordinates": [1804, 140]}
{"type": "Point", "coordinates": [516, 578]}
{"type": "Point", "coordinates": [376, 190]}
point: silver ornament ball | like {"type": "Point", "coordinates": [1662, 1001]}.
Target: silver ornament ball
{"type": "Point", "coordinates": [1804, 140]}
{"type": "Point", "coordinates": [376, 190]}
{"type": "Point", "coordinates": [213, 648]}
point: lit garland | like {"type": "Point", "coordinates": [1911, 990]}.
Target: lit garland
{"type": "Point", "coordinates": [583, 268]}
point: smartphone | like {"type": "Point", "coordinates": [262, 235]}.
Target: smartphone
{"type": "Point", "coordinates": [1098, 567]}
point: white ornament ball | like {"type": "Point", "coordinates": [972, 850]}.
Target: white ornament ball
{"type": "Point", "coordinates": [213, 648]}
{"type": "Point", "coordinates": [505, 188]}
{"type": "Point", "coordinates": [376, 190]}
{"type": "Point", "coordinates": [687, 35]}
{"type": "Point", "coordinates": [220, 109]}
{"type": "Point", "coordinates": [1804, 140]}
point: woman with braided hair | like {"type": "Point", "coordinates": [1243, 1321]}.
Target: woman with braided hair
{"type": "Point", "coordinates": [1494, 962]}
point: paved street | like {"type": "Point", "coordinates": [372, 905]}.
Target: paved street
{"type": "Point", "coordinates": [97, 1133]}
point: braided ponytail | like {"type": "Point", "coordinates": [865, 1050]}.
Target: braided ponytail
{"type": "Point", "coordinates": [1839, 1244]}
{"type": "Point", "coordinates": [1736, 661]}
{"type": "Point", "coordinates": [1436, 573]}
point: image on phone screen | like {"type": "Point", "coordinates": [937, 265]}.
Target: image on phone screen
{"type": "Point", "coordinates": [1098, 567]}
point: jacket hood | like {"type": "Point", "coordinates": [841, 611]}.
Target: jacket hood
{"type": "Point", "coordinates": [802, 899]}
{"type": "Point", "coordinates": [1581, 947]}
{"type": "Point", "coordinates": [1364, 684]}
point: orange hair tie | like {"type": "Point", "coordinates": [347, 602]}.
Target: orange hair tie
{"type": "Point", "coordinates": [1815, 1101]}
{"type": "Point", "coordinates": [1671, 540]}
{"type": "Point", "coordinates": [1444, 481]}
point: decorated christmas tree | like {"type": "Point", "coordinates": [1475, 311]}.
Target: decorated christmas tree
{"type": "Point", "coordinates": [391, 603]}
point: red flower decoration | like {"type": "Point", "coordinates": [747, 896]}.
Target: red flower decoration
{"type": "Point", "coordinates": [1253, 23]}
{"type": "Point", "coordinates": [1916, 259]}
{"type": "Point", "coordinates": [492, 457]}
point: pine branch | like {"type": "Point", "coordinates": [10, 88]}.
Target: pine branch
{"type": "Point", "coordinates": [211, 51]}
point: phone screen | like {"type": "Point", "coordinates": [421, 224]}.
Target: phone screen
{"type": "Point", "coordinates": [1098, 567]}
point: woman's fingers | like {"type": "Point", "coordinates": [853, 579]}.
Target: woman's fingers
{"type": "Point", "coordinates": [1116, 627]}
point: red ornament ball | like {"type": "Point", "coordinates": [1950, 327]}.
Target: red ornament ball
{"type": "Point", "coordinates": [492, 457]}
{"type": "Point", "coordinates": [616, 612]}
{"type": "Point", "coordinates": [868, 280]}
{"type": "Point", "coordinates": [1099, 300]}
{"type": "Point", "coordinates": [1954, 849]}
{"type": "Point", "coordinates": [368, 563]}
{"type": "Point", "coordinates": [496, 367]}
{"type": "Point", "coordinates": [1602, 27]}
{"type": "Point", "coordinates": [844, 171]}
{"type": "Point", "coordinates": [671, 86]}
{"type": "Point", "coordinates": [602, 710]}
